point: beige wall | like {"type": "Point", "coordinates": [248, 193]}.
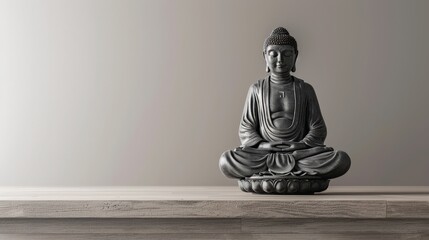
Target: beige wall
{"type": "Point", "coordinates": [151, 92]}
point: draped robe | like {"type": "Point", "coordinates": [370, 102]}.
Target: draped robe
{"type": "Point", "coordinates": [307, 126]}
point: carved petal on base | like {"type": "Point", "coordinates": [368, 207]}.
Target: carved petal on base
{"type": "Point", "coordinates": [286, 185]}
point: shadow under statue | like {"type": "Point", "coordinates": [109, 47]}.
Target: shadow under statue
{"type": "Point", "coordinates": [282, 131]}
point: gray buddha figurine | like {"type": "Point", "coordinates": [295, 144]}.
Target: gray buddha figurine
{"type": "Point", "coordinates": [282, 131]}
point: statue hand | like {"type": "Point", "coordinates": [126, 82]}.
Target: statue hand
{"type": "Point", "coordinates": [274, 146]}
{"type": "Point", "coordinates": [295, 146]}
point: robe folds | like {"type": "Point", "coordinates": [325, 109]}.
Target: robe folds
{"type": "Point", "coordinates": [307, 126]}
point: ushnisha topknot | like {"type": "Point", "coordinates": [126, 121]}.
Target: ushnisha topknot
{"type": "Point", "coordinates": [280, 36]}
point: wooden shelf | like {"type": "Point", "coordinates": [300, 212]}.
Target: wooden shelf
{"type": "Point", "coordinates": [213, 213]}
{"type": "Point", "coordinates": [212, 202]}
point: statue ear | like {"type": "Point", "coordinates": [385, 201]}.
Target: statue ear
{"type": "Point", "coordinates": [267, 69]}
{"type": "Point", "coordinates": [294, 64]}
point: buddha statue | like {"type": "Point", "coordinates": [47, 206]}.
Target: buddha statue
{"type": "Point", "coordinates": [282, 131]}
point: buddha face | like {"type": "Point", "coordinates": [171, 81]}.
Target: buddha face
{"type": "Point", "coordinates": [280, 58]}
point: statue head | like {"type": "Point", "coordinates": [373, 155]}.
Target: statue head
{"type": "Point", "coordinates": [280, 51]}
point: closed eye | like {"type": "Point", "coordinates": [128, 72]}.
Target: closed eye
{"type": "Point", "coordinates": [272, 54]}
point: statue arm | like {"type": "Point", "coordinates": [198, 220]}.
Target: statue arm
{"type": "Point", "coordinates": [249, 124]}
{"type": "Point", "coordinates": [317, 129]}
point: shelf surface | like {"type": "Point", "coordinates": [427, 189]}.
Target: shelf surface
{"type": "Point", "coordinates": [212, 202]}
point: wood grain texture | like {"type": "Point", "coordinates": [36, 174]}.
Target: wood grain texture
{"type": "Point", "coordinates": [336, 226]}
{"type": "Point", "coordinates": [210, 236]}
{"type": "Point", "coordinates": [253, 226]}
{"type": "Point", "coordinates": [192, 209]}
{"type": "Point", "coordinates": [407, 209]}
{"type": "Point", "coordinates": [212, 202]}
{"type": "Point", "coordinates": [213, 213]}
{"type": "Point", "coordinates": [121, 225]}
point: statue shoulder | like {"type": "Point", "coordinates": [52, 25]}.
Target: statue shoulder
{"type": "Point", "coordinates": [255, 87]}
{"type": "Point", "coordinates": [305, 86]}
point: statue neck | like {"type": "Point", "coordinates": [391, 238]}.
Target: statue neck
{"type": "Point", "coordinates": [281, 78]}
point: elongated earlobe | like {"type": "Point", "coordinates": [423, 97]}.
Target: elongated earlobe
{"type": "Point", "coordinates": [294, 63]}
{"type": "Point", "coordinates": [267, 69]}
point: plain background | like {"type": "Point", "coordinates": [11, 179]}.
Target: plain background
{"type": "Point", "coordinates": [124, 92]}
